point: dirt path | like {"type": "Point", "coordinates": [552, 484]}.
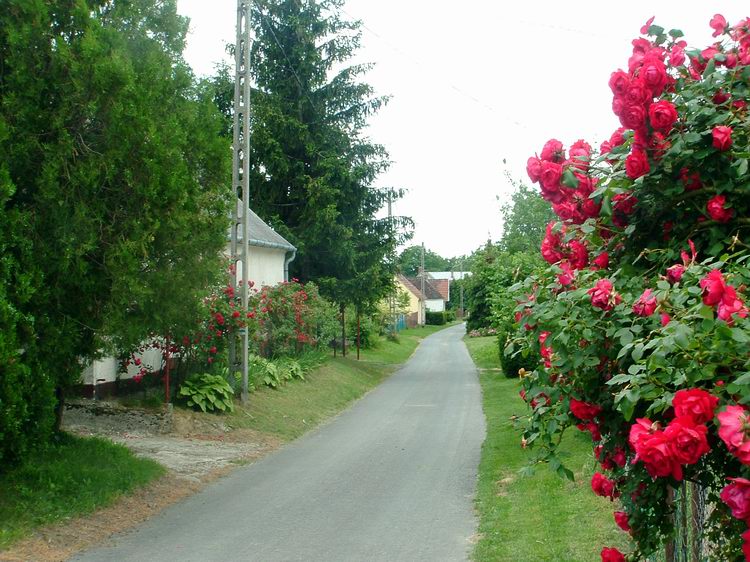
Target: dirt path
{"type": "Point", "coordinates": [195, 449]}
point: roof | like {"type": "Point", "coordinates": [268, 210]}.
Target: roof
{"type": "Point", "coordinates": [453, 275]}
{"type": "Point", "coordinates": [408, 284]}
{"type": "Point", "coordinates": [262, 235]}
{"type": "Point", "coordinates": [443, 287]}
{"type": "Point", "coordinates": [431, 293]}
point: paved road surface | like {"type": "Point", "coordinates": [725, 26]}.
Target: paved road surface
{"type": "Point", "coordinates": [391, 479]}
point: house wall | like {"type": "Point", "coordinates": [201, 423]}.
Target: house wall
{"type": "Point", "coordinates": [415, 310]}
{"type": "Point", "coordinates": [266, 269]}
{"type": "Point", "coordinates": [435, 305]}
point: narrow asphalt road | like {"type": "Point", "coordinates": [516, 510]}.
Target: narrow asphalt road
{"type": "Point", "coordinates": [393, 479]}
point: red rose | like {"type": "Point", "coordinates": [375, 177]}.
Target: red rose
{"type": "Point", "coordinates": [619, 82]}
{"type": "Point", "coordinates": [602, 486]}
{"type": "Point", "coordinates": [617, 137]}
{"type": "Point", "coordinates": [717, 211]}
{"type": "Point", "coordinates": [621, 518]}
{"type": "Point", "coordinates": [603, 295]}
{"type": "Point", "coordinates": [713, 286]}
{"type": "Point", "coordinates": [718, 24]}
{"type": "Point", "coordinates": [601, 261]}
{"type": "Point", "coordinates": [675, 272]}
{"type": "Point", "coordinates": [579, 255]}
{"type": "Point", "coordinates": [219, 318]}
{"type": "Point", "coordinates": [688, 439]}
{"type": "Point", "coordinates": [552, 245]}
{"type": "Point", "coordinates": [677, 55]}
{"type": "Point", "coordinates": [550, 179]}
{"type": "Point", "coordinates": [730, 305]}
{"type": "Point", "coordinates": [236, 314]}
{"type": "Point", "coordinates": [636, 164]}
{"type": "Point", "coordinates": [646, 304]}
{"type": "Point", "coordinates": [662, 115]}
{"type": "Point", "coordinates": [637, 93]}
{"type": "Point", "coordinates": [632, 116]}
{"type": "Point", "coordinates": [654, 75]}
{"type": "Point", "coordinates": [737, 496]}
{"type": "Point", "coordinates": [655, 450]}
{"type": "Point", "coordinates": [664, 319]}
{"type": "Point", "coordinates": [534, 168]}
{"type": "Point", "coordinates": [584, 410]}
{"type": "Point", "coordinates": [612, 555]}
{"type": "Point", "coordinates": [696, 403]}
{"type": "Point", "coordinates": [580, 154]}
{"type": "Point", "coordinates": [691, 181]}
{"type": "Point", "coordinates": [553, 151]}
{"type": "Point", "coordinates": [722, 136]}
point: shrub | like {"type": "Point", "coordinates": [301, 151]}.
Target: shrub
{"type": "Point", "coordinates": [208, 393]}
{"type": "Point", "coordinates": [435, 318]}
{"type": "Point", "coordinates": [450, 315]}
{"type": "Point", "coordinates": [514, 357]}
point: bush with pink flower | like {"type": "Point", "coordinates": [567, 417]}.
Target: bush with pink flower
{"type": "Point", "coordinates": [641, 319]}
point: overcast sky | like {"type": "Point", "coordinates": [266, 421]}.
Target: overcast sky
{"type": "Point", "coordinates": [474, 83]}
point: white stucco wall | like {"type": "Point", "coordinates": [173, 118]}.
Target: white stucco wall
{"type": "Point", "coordinates": [266, 266]}
{"type": "Point", "coordinates": [435, 305]}
{"type": "Point", "coordinates": [105, 369]}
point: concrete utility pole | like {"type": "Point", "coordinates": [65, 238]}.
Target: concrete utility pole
{"type": "Point", "coordinates": [241, 180]}
{"type": "Point", "coordinates": [393, 257]}
{"type": "Point", "coordinates": [462, 288]}
{"type": "Point", "coordinates": [424, 298]}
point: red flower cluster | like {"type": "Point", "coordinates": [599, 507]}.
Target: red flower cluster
{"type": "Point", "coordinates": [603, 486]}
{"type": "Point", "coordinates": [724, 297]}
{"type": "Point", "coordinates": [612, 555]}
{"type": "Point", "coordinates": [603, 295]}
{"type": "Point", "coordinates": [646, 304]}
{"type": "Point", "coordinates": [683, 442]}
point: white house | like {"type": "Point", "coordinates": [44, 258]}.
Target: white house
{"type": "Point", "coordinates": [270, 256]}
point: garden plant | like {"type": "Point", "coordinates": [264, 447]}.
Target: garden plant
{"type": "Point", "coordinates": [641, 319]}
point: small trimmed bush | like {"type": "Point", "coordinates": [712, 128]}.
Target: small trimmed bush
{"type": "Point", "coordinates": [435, 318]}
{"type": "Point", "coordinates": [513, 359]}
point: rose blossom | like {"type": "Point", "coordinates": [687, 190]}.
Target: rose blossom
{"type": "Point", "coordinates": [716, 209]}
{"type": "Point", "coordinates": [584, 410]}
{"type": "Point", "coordinates": [713, 285]}
{"type": "Point", "coordinates": [618, 82]}
{"type": "Point", "coordinates": [579, 255]}
{"type": "Point", "coordinates": [733, 430]}
{"type": "Point", "coordinates": [603, 295]}
{"type": "Point", "coordinates": [722, 137]}
{"type": "Point", "coordinates": [696, 403]}
{"type": "Point", "coordinates": [691, 181]}
{"type": "Point", "coordinates": [665, 319]}
{"type": "Point", "coordinates": [737, 496]}
{"type": "Point", "coordinates": [662, 115]}
{"type": "Point", "coordinates": [580, 154]}
{"type": "Point", "coordinates": [718, 23]}
{"type": "Point", "coordinates": [534, 168]}
{"type": "Point", "coordinates": [688, 439]}
{"type": "Point", "coordinates": [645, 305]}
{"type": "Point", "coordinates": [632, 116]}
{"type": "Point", "coordinates": [602, 486]}
{"type": "Point", "coordinates": [621, 518]}
{"type": "Point", "coordinates": [601, 261]}
{"type": "Point", "coordinates": [654, 74]}
{"type": "Point", "coordinates": [730, 305]}
{"type": "Point", "coordinates": [612, 555]}
{"type": "Point", "coordinates": [553, 151]}
{"type": "Point", "coordinates": [675, 272]}
{"type": "Point", "coordinates": [551, 245]}
{"type": "Point", "coordinates": [636, 164]}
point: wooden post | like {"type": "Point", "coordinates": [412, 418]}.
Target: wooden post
{"type": "Point", "coordinates": [166, 369]}
{"type": "Point", "coordinates": [343, 330]}
{"type": "Point", "coordinates": [358, 333]}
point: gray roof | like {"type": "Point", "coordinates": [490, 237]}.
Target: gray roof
{"type": "Point", "coordinates": [262, 235]}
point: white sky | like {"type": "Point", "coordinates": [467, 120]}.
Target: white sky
{"type": "Point", "coordinates": [476, 82]}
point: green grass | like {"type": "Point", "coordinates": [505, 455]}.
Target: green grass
{"type": "Point", "coordinates": [74, 476]}
{"type": "Point", "coordinates": [539, 517]}
{"type": "Point", "coordinates": [298, 406]}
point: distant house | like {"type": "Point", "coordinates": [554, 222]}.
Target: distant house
{"type": "Point", "coordinates": [433, 299]}
{"type": "Point", "coordinates": [270, 256]}
{"type": "Point", "coordinates": [442, 280]}
{"type": "Point", "coordinates": [415, 310]}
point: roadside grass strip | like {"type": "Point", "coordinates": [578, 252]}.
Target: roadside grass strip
{"type": "Point", "coordinates": [537, 517]}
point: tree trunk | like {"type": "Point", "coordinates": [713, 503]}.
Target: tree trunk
{"type": "Point", "coordinates": [343, 330]}
{"type": "Point", "coordinates": [358, 333]}
{"type": "Point", "coordinates": [59, 407]}
{"type": "Point", "coordinates": [166, 369]}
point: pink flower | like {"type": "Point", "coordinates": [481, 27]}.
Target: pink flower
{"type": "Point", "coordinates": [722, 137]}
{"type": "Point", "coordinates": [696, 403]}
{"type": "Point", "coordinates": [646, 304]}
{"type": "Point", "coordinates": [737, 496]}
{"type": "Point", "coordinates": [713, 286]}
{"type": "Point", "coordinates": [665, 319]}
{"type": "Point", "coordinates": [553, 151]}
{"type": "Point", "coordinates": [730, 305]}
{"type": "Point", "coordinates": [552, 245]}
{"type": "Point", "coordinates": [601, 261]}
{"type": "Point", "coordinates": [645, 26]}
{"type": "Point", "coordinates": [579, 255]}
{"type": "Point", "coordinates": [716, 209]}
{"type": "Point", "coordinates": [534, 169]}
{"type": "Point", "coordinates": [733, 430]}
{"type": "Point", "coordinates": [603, 295]}
{"type": "Point", "coordinates": [718, 23]}
{"type": "Point", "coordinates": [675, 272]}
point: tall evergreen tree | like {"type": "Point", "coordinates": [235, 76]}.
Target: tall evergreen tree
{"type": "Point", "coordinates": [313, 168]}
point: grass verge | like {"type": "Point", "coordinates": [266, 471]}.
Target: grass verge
{"type": "Point", "coordinates": [296, 407]}
{"type": "Point", "coordinates": [539, 517]}
{"type": "Point", "coordinates": [73, 476]}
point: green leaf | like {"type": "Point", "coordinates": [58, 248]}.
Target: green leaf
{"type": "Point", "coordinates": [675, 33]}
{"type": "Point", "coordinates": [739, 335]}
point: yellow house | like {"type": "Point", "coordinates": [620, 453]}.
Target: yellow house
{"type": "Point", "coordinates": [416, 307]}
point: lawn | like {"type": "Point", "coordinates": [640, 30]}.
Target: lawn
{"type": "Point", "coordinates": [73, 476]}
{"type": "Point", "coordinates": [539, 517]}
{"type": "Point", "coordinates": [298, 406]}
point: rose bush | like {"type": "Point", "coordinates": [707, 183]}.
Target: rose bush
{"type": "Point", "coordinates": [641, 318]}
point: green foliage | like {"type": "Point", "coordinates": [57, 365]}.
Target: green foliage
{"type": "Point", "coordinates": [68, 477]}
{"type": "Point", "coordinates": [524, 220]}
{"type": "Point", "coordinates": [410, 259]}
{"type": "Point", "coordinates": [450, 315]}
{"type": "Point", "coordinates": [208, 392]}
{"type": "Point", "coordinates": [514, 357]}
{"type": "Point", "coordinates": [435, 318]}
{"type": "Point", "coordinates": [273, 373]}
{"type": "Point", "coordinates": [112, 191]}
